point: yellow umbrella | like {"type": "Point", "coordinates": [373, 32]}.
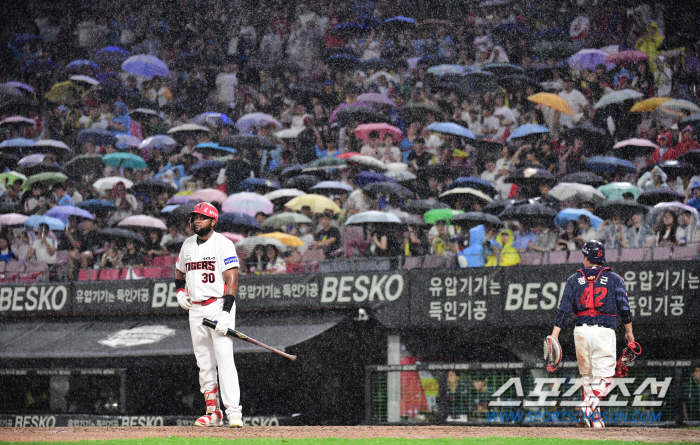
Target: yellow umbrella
{"type": "Point", "coordinates": [317, 203]}
{"type": "Point", "coordinates": [184, 193]}
{"type": "Point", "coordinates": [552, 101]}
{"type": "Point", "coordinates": [287, 240]}
{"type": "Point", "coordinates": [650, 104]}
{"type": "Point", "coordinates": [59, 92]}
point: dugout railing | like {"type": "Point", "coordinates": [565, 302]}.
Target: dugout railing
{"type": "Point", "coordinates": [654, 393]}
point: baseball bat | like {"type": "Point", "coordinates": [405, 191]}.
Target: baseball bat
{"type": "Point", "coordinates": [212, 324]}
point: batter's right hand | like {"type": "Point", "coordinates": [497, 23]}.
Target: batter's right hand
{"type": "Point", "coordinates": [184, 299]}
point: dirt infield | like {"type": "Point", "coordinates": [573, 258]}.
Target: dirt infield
{"type": "Point", "coordinates": [352, 432]}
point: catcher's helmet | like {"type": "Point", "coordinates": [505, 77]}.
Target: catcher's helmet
{"type": "Point", "coordinates": [594, 251]}
{"type": "Point", "coordinates": [206, 209]}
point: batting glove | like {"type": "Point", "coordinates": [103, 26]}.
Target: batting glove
{"type": "Point", "coordinates": [223, 320]}
{"type": "Point", "coordinates": [184, 299]}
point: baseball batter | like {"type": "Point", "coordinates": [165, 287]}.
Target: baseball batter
{"type": "Point", "coordinates": [598, 298]}
{"type": "Point", "coordinates": [207, 280]}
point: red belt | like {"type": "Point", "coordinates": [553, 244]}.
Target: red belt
{"type": "Point", "coordinates": [592, 313]}
{"type": "Point", "coordinates": [206, 302]}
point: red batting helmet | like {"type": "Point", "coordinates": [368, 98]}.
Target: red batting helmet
{"type": "Point", "coordinates": [206, 209]}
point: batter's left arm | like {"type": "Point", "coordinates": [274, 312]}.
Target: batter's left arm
{"type": "Point", "coordinates": [231, 280]}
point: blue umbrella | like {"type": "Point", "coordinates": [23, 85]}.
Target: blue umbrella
{"type": "Point", "coordinates": [212, 117]}
{"type": "Point", "coordinates": [345, 30]}
{"type": "Point", "coordinates": [609, 164]}
{"type": "Point", "coordinates": [17, 142]}
{"type": "Point", "coordinates": [399, 23]}
{"type": "Point", "coordinates": [258, 182]}
{"type": "Point", "coordinates": [20, 85]}
{"type": "Point", "coordinates": [169, 208]}
{"type": "Point", "coordinates": [475, 183]}
{"type": "Point", "coordinates": [96, 136]}
{"type": "Point", "coordinates": [206, 165]}
{"type": "Point", "coordinates": [124, 160]}
{"type": "Point", "coordinates": [332, 185]}
{"type": "Point", "coordinates": [80, 64]}
{"type": "Point", "coordinates": [97, 205]}
{"type": "Point", "coordinates": [290, 171]}
{"type": "Point", "coordinates": [229, 222]}
{"type": "Point", "coordinates": [63, 212]}
{"type": "Point", "coordinates": [213, 149]}
{"type": "Point", "coordinates": [527, 130]}
{"type": "Point", "coordinates": [343, 60]}
{"type": "Point", "coordinates": [146, 66]}
{"type": "Point", "coordinates": [111, 55]}
{"type": "Point", "coordinates": [451, 128]}
{"type": "Point", "coordinates": [510, 30]}
{"type": "Point", "coordinates": [553, 34]}
{"type": "Point", "coordinates": [365, 178]}
{"type": "Point", "coordinates": [53, 223]}
{"type": "Point", "coordinates": [567, 215]}
{"type": "Point", "coordinates": [370, 20]}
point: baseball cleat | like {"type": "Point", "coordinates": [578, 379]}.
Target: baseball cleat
{"type": "Point", "coordinates": [582, 420]}
{"type": "Point", "coordinates": [212, 419]}
{"type": "Point", "coordinates": [236, 423]}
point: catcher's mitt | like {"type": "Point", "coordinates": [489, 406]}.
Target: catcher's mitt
{"type": "Point", "coordinates": [552, 353]}
{"type": "Point", "coordinates": [631, 351]}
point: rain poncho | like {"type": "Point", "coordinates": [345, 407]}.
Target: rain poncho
{"type": "Point", "coordinates": [650, 44]}
{"type": "Point", "coordinates": [474, 254]}
{"type": "Point", "coordinates": [508, 255]}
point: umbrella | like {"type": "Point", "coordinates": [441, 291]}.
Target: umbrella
{"type": "Point", "coordinates": [209, 195]}
{"type": "Point", "coordinates": [60, 91]}
{"type": "Point", "coordinates": [286, 239]}
{"type": "Point", "coordinates": [248, 203]}
{"type": "Point", "coordinates": [206, 166]}
{"type": "Point", "coordinates": [18, 122]}
{"type": "Point", "coordinates": [111, 56]}
{"type": "Point", "coordinates": [343, 61]}
{"type": "Point", "coordinates": [615, 190]}
{"type": "Point", "coordinates": [233, 222]}
{"type": "Point", "coordinates": [174, 245]}
{"type": "Point", "coordinates": [10, 177]}
{"type": "Point", "coordinates": [52, 146]}
{"type": "Point", "coordinates": [19, 85]}
{"type": "Point", "coordinates": [651, 197]}
{"type": "Point", "coordinates": [356, 113]}
{"type": "Point", "coordinates": [518, 83]}
{"type": "Point", "coordinates": [145, 65]}
{"type": "Point", "coordinates": [400, 175]}
{"type": "Point", "coordinates": [420, 206]}
{"type": "Point", "coordinates": [530, 175]}
{"type": "Point", "coordinates": [675, 207]}
{"type": "Point", "coordinates": [365, 178]}
{"type": "Point", "coordinates": [97, 206]}
{"type": "Point", "coordinates": [182, 199]}
{"type": "Point", "coordinates": [588, 59]}
{"type": "Point", "coordinates": [9, 91]}
{"type": "Point", "coordinates": [248, 121]}
{"type": "Point", "coordinates": [627, 56]}
{"type": "Point", "coordinates": [124, 160]}
{"type": "Point", "coordinates": [260, 183]}
{"type": "Point", "coordinates": [435, 215]}
{"type": "Point", "coordinates": [142, 221]}
{"type": "Point", "coordinates": [373, 216]}
{"type": "Point", "coordinates": [158, 141]}
{"type": "Point", "coordinates": [125, 141]}
{"type": "Point", "coordinates": [301, 182]}
{"type": "Point", "coordinates": [326, 163]}
{"type": "Point", "coordinates": [213, 149]}
{"type": "Point", "coordinates": [376, 99]}
{"type": "Point", "coordinates": [85, 80]}
{"type": "Point", "coordinates": [46, 179]}
{"type": "Point", "coordinates": [441, 70]}
{"type": "Point", "coordinates": [675, 105]}
{"type": "Point", "coordinates": [363, 131]}
{"type": "Point", "coordinates": [248, 141]}
{"type": "Point", "coordinates": [96, 136]}
{"type": "Point", "coordinates": [294, 170]}
{"type": "Point", "coordinates": [465, 194]}
{"type": "Point", "coordinates": [595, 136]}
{"type": "Point", "coordinates": [12, 219]}
{"type": "Point", "coordinates": [18, 105]}
{"type": "Point", "coordinates": [623, 207]}
{"type": "Point", "coordinates": [53, 223]}
{"type": "Point", "coordinates": [419, 111]}
{"type": "Point", "coordinates": [374, 77]}
{"type": "Point", "coordinates": [283, 195]}
{"type": "Point", "coordinates": [676, 168]}
{"type": "Point", "coordinates": [235, 237]}
{"type": "Point", "coordinates": [84, 165]}
{"type": "Point", "coordinates": [609, 164]}
{"type": "Point", "coordinates": [503, 69]}
{"type": "Point", "coordinates": [79, 65]}
{"type": "Point", "coordinates": [150, 186]}
{"type": "Point", "coordinates": [528, 212]}
{"type": "Point", "coordinates": [346, 30]}
{"type": "Point", "coordinates": [106, 184]}
{"type": "Point", "coordinates": [566, 215]}
{"type": "Point", "coordinates": [17, 143]}
{"type": "Point", "coordinates": [247, 246]}
{"type": "Point", "coordinates": [650, 104]}
{"type": "Point", "coordinates": [43, 167]}
{"type": "Point", "coordinates": [286, 219]}
{"type": "Point", "coordinates": [473, 182]}
{"type": "Point", "coordinates": [473, 219]}
{"type": "Point", "coordinates": [528, 130]}
{"type": "Point", "coordinates": [317, 203]}
{"type": "Point", "coordinates": [497, 207]}
{"type": "Point", "coordinates": [570, 191]}
{"type": "Point", "coordinates": [692, 157]}
{"type": "Point", "coordinates": [31, 160]}
{"type": "Point", "coordinates": [144, 113]}
{"type": "Point", "coordinates": [387, 188]}
{"type": "Point", "coordinates": [584, 177]}
{"type": "Point", "coordinates": [432, 60]}
{"type": "Point", "coordinates": [554, 50]}
{"type": "Point", "coordinates": [188, 128]}
{"type": "Point", "coordinates": [288, 133]}
{"type": "Point", "coordinates": [367, 162]}
{"type": "Point", "coordinates": [552, 101]}
{"type": "Point", "coordinates": [452, 129]}
{"type": "Point", "coordinates": [331, 187]}
{"type": "Point", "coordinates": [122, 235]}
{"type": "Point", "coordinates": [399, 23]}
{"type": "Point", "coordinates": [64, 212]}
{"type": "Point", "coordinates": [211, 119]}
{"type": "Point", "coordinates": [617, 97]}
{"type": "Point", "coordinates": [631, 148]}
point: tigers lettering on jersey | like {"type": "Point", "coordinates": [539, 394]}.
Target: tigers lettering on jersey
{"type": "Point", "coordinates": [201, 265]}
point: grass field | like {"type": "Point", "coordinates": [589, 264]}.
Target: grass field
{"type": "Point", "coordinates": [339, 441]}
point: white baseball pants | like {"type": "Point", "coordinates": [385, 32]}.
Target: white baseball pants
{"type": "Point", "coordinates": [211, 350]}
{"type": "Point", "coordinates": [595, 351]}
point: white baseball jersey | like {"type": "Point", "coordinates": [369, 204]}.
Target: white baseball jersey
{"type": "Point", "coordinates": [204, 265]}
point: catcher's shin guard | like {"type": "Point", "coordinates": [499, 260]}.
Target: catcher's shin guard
{"type": "Point", "coordinates": [213, 417]}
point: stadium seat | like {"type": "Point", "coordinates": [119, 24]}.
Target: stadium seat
{"type": "Point", "coordinates": [557, 256]}
{"type": "Point", "coordinates": [295, 268]}
{"type": "Point", "coordinates": [138, 271]}
{"type": "Point", "coordinates": [575, 257]}
{"type": "Point", "coordinates": [633, 255]}
{"type": "Point", "coordinates": [157, 272]}
{"type": "Point", "coordinates": [434, 262]}
{"type": "Point", "coordinates": [531, 258]}
{"type": "Point", "coordinates": [313, 255]}
{"type": "Point", "coordinates": [109, 274]}
{"type": "Point", "coordinates": [689, 252]}
{"type": "Point", "coordinates": [412, 262]}
{"type": "Point", "coordinates": [612, 255]}
{"type": "Point", "coordinates": [87, 275]}
{"type": "Point", "coordinates": [13, 269]}
{"type": "Point", "coordinates": [167, 260]}
{"type": "Point", "coordinates": [661, 253]}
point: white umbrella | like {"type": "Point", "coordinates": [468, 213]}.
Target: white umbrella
{"type": "Point", "coordinates": [106, 184]}
{"type": "Point", "coordinates": [400, 175]}
{"type": "Point", "coordinates": [126, 140]}
{"type": "Point", "coordinates": [373, 216]}
{"type": "Point", "coordinates": [248, 203]}
{"type": "Point", "coordinates": [84, 79]}
{"type": "Point", "coordinates": [288, 133]}
{"type": "Point", "coordinates": [159, 141]}
{"type": "Point", "coordinates": [680, 105]}
{"type": "Point", "coordinates": [246, 246]}
{"type": "Point", "coordinates": [397, 167]}
{"type": "Point", "coordinates": [618, 97]}
{"type": "Point", "coordinates": [283, 193]}
{"type": "Point", "coordinates": [12, 219]}
{"type": "Point", "coordinates": [369, 162]}
{"type": "Point", "coordinates": [373, 78]}
{"type": "Point", "coordinates": [51, 143]}
{"type": "Point", "coordinates": [31, 160]}
{"type": "Point", "coordinates": [569, 191]}
{"type": "Point", "coordinates": [250, 120]}
{"type": "Point", "coordinates": [188, 127]}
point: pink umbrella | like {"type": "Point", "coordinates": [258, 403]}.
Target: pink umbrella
{"type": "Point", "coordinates": [376, 99]}
{"type": "Point", "coordinates": [12, 219]}
{"type": "Point", "coordinates": [209, 195]}
{"type": "Point", "coordinates": [248, 203]}
{"type": "Point", "coordinates": [363, 131]}
{"type": "Point", "coordinates": [142, 221]}
{"type": "Point", "coordinates": [182, 199]}
{"type": "Point", "coordinates": [627, 56]}
{"type": "Point", "coordinates": [334, 114]}
{"type": "Point", "coordinates": [233, 236]}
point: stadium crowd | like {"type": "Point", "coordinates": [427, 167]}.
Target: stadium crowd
{"type": "Point", "coordinates": [477, 131]}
